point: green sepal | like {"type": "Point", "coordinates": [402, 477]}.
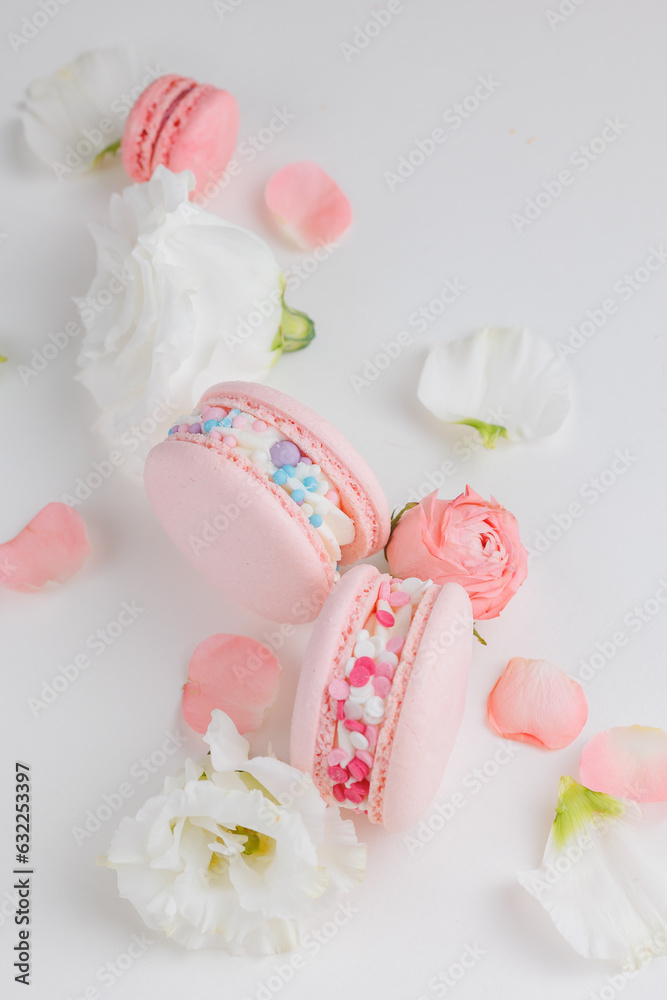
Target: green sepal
{"type": "Point", "coordinates": [110, 150]}
{"type": "Point", "coordinates": [489, 433]}
{"type": "Point", "coordinates": [577, 806]}
{"type": "Point", "coordinates": [395, 518]}
{"type": "Point", "coordinates": [253, 784]}
{"type": "Point", "coordinates": [478, 637]}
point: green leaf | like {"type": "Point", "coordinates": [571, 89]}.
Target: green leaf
{"type": "Point", "coordinates": [478, 637]}
{"type": "Point", "coordinates": [488, 432]}
{"type": "Point", "coordinates": [577, 805]}
{"type": "Point", "coordinates": [111, 150]}
{"type": "Point", "coordinates": [395, 518]}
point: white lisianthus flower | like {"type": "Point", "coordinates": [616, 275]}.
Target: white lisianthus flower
{"type": "Point", "coordinates": [72, 116]}
{"type": "Point", "coordinates": [235, 853]}
{"type": "Point", "coordinates": [603, 880]}
{"type": "Point", "coordinates": [504, 382]}
{"type": "Point", "coordinates": [181, 300]}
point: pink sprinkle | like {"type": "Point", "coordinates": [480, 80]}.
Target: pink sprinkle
{"type": "Point", "coordinates": [259, 425]}
{"type": "Point", "coordinates": [371, 735]}
{"type": "Point", "coordinates": [395, 644]}
{"type": "Point", "coordinates": [365, 756]}
{"type": "Point", "coordinates": [229, 441]}
{"type": "Point", "coordinates": [331, 496]}
{"type": "Point", "coordinates": [384, 669]}
{"type": "Point", "coordinates": [339, 793]}
{"type": "Point", "coordinates": [215, 434]}
{"type": "Point", "coordinates": [339, 689]}
{"type": "Point", "coordinates": [398, 598]}
{"type": "Point", "coordinates": [238, 422]}
{"type": "Point", "coordinates": [357, 769]}
{"type": "Point", "coordinates": [304, 460]}
{"type": "Point", "coordinates": [184, 427]}
{"type": "Point", "coordinates": [381, 685]}
{"type": "Point", "coordinates": [205, 412]}
{"type": "Point", "coordinates": [354, 726]}
{"type": "Point", "coordinates": [385, 618]}
{"type": "Point", "coordinates": [362, 671]}
{"type": "Point", "coordinates": [338, 773]}
{"type": "Point", "coordinates": [354, 793]}
{"type": "Point", "coordinates": [384, 591]}
{"type": "Point", "coordinates": [340, 711]}
{"type": "Point", "coordinates": [217, 413]}
{"type": "Point", "coordinates": [337, 756]}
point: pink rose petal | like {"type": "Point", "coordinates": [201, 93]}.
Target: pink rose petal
{"type": "Point", "coordinates": [233, 673]}
{"type": "Point", "coordinates": [627, 761]}
{"type": "Point", "coordinates": [536, 702]}
{"type": "Point", "coordinates": [50, 549]}
{"type": "Point", "coordinates": [308, 203]}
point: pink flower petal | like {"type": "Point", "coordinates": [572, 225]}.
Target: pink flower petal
{"type": "Point", "coordinates": [629, 762]}
{"type": "Point", "coordinates": [233, 673]}
{"type": "Point", "coordinates": [536, 702]}
{"type": "Point", "coordinates": [50, 549]}
{"type": "Point", "coordinates": [308, 203]}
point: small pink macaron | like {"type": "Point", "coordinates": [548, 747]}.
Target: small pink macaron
{"type": "Point", "coordinates": [406, 752]}
{"type": "Point", "coordinates": [241, 529]}
{"type": "Point", "coordinates": [183, 125]}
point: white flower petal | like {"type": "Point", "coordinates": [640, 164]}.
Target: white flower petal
{"type": "Point", "coordinates": [229, 750]}
{"type": "Point", "coordinates": [181, 300]}
{"type": "Point", "coordinates": [503, 378]}
{"type": "Point", "coordinates": [603, 880]}
{"type": "Point", "coordinates": [64, 111]}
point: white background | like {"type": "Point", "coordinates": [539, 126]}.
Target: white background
{"type": "Point", "coordinates": [450, 220]}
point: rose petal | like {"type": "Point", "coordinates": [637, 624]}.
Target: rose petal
{"type": "Point", "coordinates": [235, 674]}
{"type": "Point", "coordinates": [536, 702]}
{"type": "Point", "coordinates": [50, 549]}
{"type": "Point", "coordinates": [629, 761]}
{"type": "Point", "coordinates": [308, 203]}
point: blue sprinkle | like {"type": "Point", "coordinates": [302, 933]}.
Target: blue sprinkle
{"type": "Point", "coordinates": [279, 477]}
{"type": "Point", "coordinates": [171, 431]}
{"type": "Point", "coordinates": [289, 470]}
{"type": "Point", "coordinates": [209, 425]}
{"type": "Point", "coordinates": [234, 413]}
{"type": "Point", "coordinates": [226, 422]}
{"type": "Point", "coordinates": [315, 520]}
{"type": "Point", "coordinates": [298, 496]}
{"type": "Point", "coordinates": [310, 483]}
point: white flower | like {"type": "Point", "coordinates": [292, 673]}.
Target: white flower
{"type": "Point", "coordinates": [181, 300]}
{"type": "Point", "coordinates": [74, 114]}
{"type": "Point", "coordinates": [603, 880]}
{"type": "Point", "coordinates": [235, 853]}
{"type": "Point", "coordinates": [503, 382]}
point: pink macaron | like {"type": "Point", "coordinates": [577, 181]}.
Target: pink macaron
{"type": "Point", "coordinates": [183, 125]}
{"type": "Point", "coordinates": [266, 498]}
{"type": "Point", "coordinates": [381, 693]}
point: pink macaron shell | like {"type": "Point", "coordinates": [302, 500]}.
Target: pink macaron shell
{"type": "Point", "coordinates": [331, 644]}
{"type": "Point", "coordinates": [361, 496]}
{"type": "Point", "coordinates": [238, 528]}
{"type": "Point", "coordinates": [145, 121]}
{"type": "Point", "coordinates": [200, 135]}
{"type": "Point", "coordinates": [410, 764]}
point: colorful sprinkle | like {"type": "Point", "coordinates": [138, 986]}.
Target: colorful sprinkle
{"type": "Point", "coordinates": [234, 413]}
{"type": "Point", "coordinates": [357, 769]}
{"type": "Point", "coordinates": [395, 644]}
{"type": "Point", "coordinates": [195, 428]}
{"type": "Point", "coordinates": [209, 425]}
{"type": "Point", "coordinates": [279, 477]}
{"type": "Point", "coordinates": [354, 793]}
{"type": "Point", "coordinates": [238, 422]}
{"type": "Point", "coordinates": [353, 710]}
{"type": "Point", "coordinates": [339, 689]}
{"type": "Point", "coordinates": [229, 441]}
{"type": "Point", "coordinates": [289, 471]}
{"type": "Point", "coordinates": [310, 483]}
{"type": "Point", "coordinates": [217, 413]}
{"type": "Point", "coordinates": [216, 435]}
{"type": "Point", "coordinates": [355, 727]}
{"type": "Point", "coordinates": [384, 591]}
{"type": "Point", "coordinates": [338, 773]}
{"type": "Point", "coordinates": [332, 497]}
{"type": "Point", "coordinates": [371, 735]}
{"type": "Point", "coordinates": [358, 740]}
{"type": "Point", "coordinates": [381, 685]}
{"type": "Point", "coordinates": [340, 711]}
{"type": "Point", "coordinates": [315, 520]}
{"type": "Point", "coordinates": [362, 671]}
{"type": "Point", "coordinates": [363, 755]}
{"type": "Point", "coordinates": [184, 427]}
{"type": "Point", "coordinates": [339, 793]}
{"type": "Point", "coordinates": [398, 599]}
{"type": "Point", "coordinates": [284, 453]}
{"type": "Point", "coordinates": [259, 426]}
{"type": "Point", "coordinates": [385, 618]}
{"type": "Point", "coordinates": [305, 460]}
{"type": "Point", "coordinates": [226, 422]}
{"type": "Point", "coordinates": [337, 756]}
{"type": "Point", "coordinates": [298, 496]}
{"type": "Point", "coordinates": [365, 648]}
{"type": "Point", "coordinates": [384, 669]}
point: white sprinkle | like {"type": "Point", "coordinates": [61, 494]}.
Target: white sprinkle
{"type": "Point", "coordinates": [360, 694]}
{"type": "Point", "coordinates": [364, 648]}
{"type": "Point", "coordinates": [358, 740]}
{"type": "Point", "coordinates": [353, 710]}
{"type": "Point", "coordinates": [374, 710]}
{"type": "Point", "coordinates": [389, 658]}
{"type": "Point", "coordinates": [362, 634]}
{"type": "Point", "coordinates": [378, 644]}
{"type": "Point", "coordinates": [349, 665]}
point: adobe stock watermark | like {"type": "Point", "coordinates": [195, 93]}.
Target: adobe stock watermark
{"type": "Point", "coordinates": [453, 117]}
{"type": "Point", "coordinates": [634, 620]}
{"type": "Point", "coordinates": [96, 644]}
{"type": "Point", "coordinates": [625, 288]}
{"type": "Point", "coordinates": [591, 491]}
{"type": "Point", "coordinates": [139, 773]}
{"type": "Point", "coordinates": [419, 320]}
{"type": "Point", "coordinates": [581, 158]}
{"type": "Point", "coordinates": [225, 7]}
{"type": "Point", "coordinates": [32, 24]}
{"type": "Point", "coordinates": [108, 974]}
{"type": "Point", "coordinates": [444, 981]}
{"type": "Point", "coordinates": [472, 783]}
{"type": "Point", "coordinates": [563, 12]}
{"type": "Point", "coordinates": [364, 34]}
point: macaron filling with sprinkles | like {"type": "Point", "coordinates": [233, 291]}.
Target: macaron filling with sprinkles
{"type": "Point", "coordinates": [358, 701]}
{"type": "Point", "coordinates": [262, 444]}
